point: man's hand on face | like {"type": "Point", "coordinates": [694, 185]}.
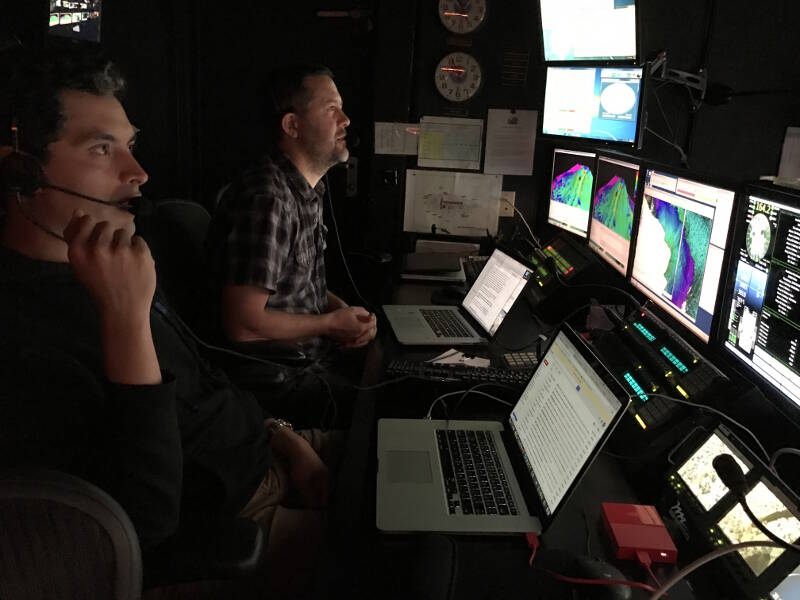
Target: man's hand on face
{"type": "Point", "coordinates": [115, 268]}
{"type": "Point", "coordinates": [352, 324]}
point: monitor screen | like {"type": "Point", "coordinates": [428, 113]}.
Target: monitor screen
{"type": "Point", "coordinates": [588, 29]}
{"type": "Point", "coordinates": [699, 474]}
{"type": "Point", "coordinates": [613, 209]}
{"type": "Point", "coordinates": [788, 588]}
{"type": "Point", "coordinates": [772, 512]}
{"type": "Point", "coordinates": [597, 103]}
{"type": "Point", "coordinates": [75, 19]}
{"type": "Point", "coordinates": [571, 190]}
{"type": "Point", "coordinates": [680, 247]}
{"type": "Point", "coordinates": [763, 323]}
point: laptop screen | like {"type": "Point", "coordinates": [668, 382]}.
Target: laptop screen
{"type": "Point", "coordinates": [561, 418]}
{"type": "Point", "coordinates": [495, 290]}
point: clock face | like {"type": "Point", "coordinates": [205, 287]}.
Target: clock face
{"type": "Point", "coordinates": [462, 16]}
{"type": "Point", "coordinates": [458, 77]}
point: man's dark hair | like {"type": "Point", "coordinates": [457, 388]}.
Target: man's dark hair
{"type": "Point", "coordinates": [35, 82]}
{"type": "Point", "coordinates": [285, 92]}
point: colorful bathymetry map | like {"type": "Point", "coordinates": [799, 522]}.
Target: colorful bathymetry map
{"type": "Point", "coordinates": [574, 187]}
{"type": "Point", "coordinates": [613, 207]}
{"type": "Point", "coordinates": [687, 235]}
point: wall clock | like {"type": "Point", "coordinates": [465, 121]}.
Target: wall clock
{"type": "Point", "coordinates": [462, 16]}
{"type": "Point", "coordinates": [458, 77]}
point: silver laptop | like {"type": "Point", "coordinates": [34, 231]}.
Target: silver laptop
{"type": "Point", "coordinates": [488, 301]}
{"type": "Point", "coordinates": [479, 477]}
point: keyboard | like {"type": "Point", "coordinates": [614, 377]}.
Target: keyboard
{"type": "Point", "coordinates": [473, 474]}
{"type": "Point", "coordinates": [473, 265]}
{"type": "Point", "coordinates": [520, 360]}
{"type": "Point", "coordinates": [458, 372]}
{"type": "Point", "coordinates": [444, 323]}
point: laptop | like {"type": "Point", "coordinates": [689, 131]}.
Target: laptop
{"type": "Point", "coordinates": [487, 303]}
{"type": "Point", "coordinates": [426, 480]}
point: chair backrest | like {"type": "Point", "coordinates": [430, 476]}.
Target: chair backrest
{"type": "Point", "coordinates": [62, 537]}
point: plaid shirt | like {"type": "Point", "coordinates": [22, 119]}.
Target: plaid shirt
{"type": "Point", "coordinates": [268, 232]}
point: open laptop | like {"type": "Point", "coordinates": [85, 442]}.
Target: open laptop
{"type": "Point", "coordinates": [555, 430]}
{"type": "Point", "coordinates": [488, 301]}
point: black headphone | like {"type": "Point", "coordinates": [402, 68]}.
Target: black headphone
{"type": "Point", "coordinates": [19, 171]}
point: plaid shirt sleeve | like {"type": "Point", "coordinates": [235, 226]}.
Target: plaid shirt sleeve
{"type": "Point", "coordinates": [259, 240]}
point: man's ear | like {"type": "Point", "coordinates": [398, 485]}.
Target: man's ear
{"type": "Point", "coordinates": [289, 125]}
{"type": "Point", "coordinates": [5, 151]}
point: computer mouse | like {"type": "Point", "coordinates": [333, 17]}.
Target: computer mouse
{"type": "Point", "coordinates": [589, 567]}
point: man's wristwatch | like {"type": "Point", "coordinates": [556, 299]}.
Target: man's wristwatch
{"type": "Point", "coordinates": [277, 424]}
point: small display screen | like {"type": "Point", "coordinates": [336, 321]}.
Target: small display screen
{"type": "Point", "coordinates": [789, 588]}
{"type": "Point", "coordinates": [773, 513]}
{"type": "Point", "coordinates": [593, 30]}
{"type": "Point", "coordinates": [571, 190]}
{"type": "Point", "coordinates": [596, 103]}
{"type": "Point", "coordinates": [75, 19]}
{"type": "Point", "coordinates": [613, 210]}
{"type": "Point", "coordinates": [699, 475]}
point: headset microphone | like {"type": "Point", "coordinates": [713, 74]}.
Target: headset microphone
{"type": "Point", "coordinates": [136, 205]}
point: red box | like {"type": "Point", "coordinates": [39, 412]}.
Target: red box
{"type": "Point", "coordinates": [636, 528]}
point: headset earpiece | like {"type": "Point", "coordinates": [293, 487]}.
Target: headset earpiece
{"type": "Point", "coordinates": [21, 172]}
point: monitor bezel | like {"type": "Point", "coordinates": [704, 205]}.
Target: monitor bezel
{"type": "Point", "coordinates": [588, 61]}
{"type": "Point", "coordinates": [781, 401]}
{"type": "Point", "coordinates": [55, 38]}
{"type": "Point", "coordinates": [585, 235]}
{"type": "Point", "coordinates": [641, 113]}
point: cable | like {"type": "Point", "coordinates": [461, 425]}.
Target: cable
{"type": "Point", "coordinates": [597, 285]}
{"type": "Point", "coordinates": [582, 581]}
{"type": "Point", "coordinates": [778, 453]}
{"type": "Point", "coordinates": [367, 388]}
{"type": "Point", "coordinates": [709, 409]}
{"type": "Point", "coordinates": [693, 566]}
{"type": "Point", "coordinates": [684, 158]}
{"type": "Point", "coordinates": [763, 528]}
{"type": "Point", "coordinates": [534, 239]}
{"type": "Point", "coordinates": [646, 562]}
{"type": "Point", "coordinates": [464, 395]}
{"type": "Point", "coordinates": [341, 250]}
{"type": "Point", "coordinates": [471, 390]}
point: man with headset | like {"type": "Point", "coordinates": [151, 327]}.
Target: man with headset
{"type": "Point", "coordinates": [95, 381]}
{"type": "Point", "coordinates": [267, 237]}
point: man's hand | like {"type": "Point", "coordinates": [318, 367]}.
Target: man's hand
{"type": "Point", "coordinates": [350, 325]}
{"type": "Point", "coordinates": [309, 475]}
{"type": "Point", "coordinates": [119, 274]}
{"type": "Point", "coordinates": [116, 269]}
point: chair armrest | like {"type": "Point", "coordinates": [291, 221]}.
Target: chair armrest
{"type": "Point", "coordinates": [206, 549]}
{"type": "Point", "coordinates": [281, 352]}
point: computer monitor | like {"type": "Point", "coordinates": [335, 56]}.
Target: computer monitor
{"type": "Point", "coordinates": [613, 209]}
{"type": "Point", "coordinates": [763, 311]}
{"type": "Point", "coordinates": [574, 30]}
{"type": "Point", "coordinates": [75, 19]}
{"type": "Point", "coordinates": [593, 103]}
{"type": "Point", "coordinates": [680, 247]}
{"type": "Point", "coordinates": [571, 190]}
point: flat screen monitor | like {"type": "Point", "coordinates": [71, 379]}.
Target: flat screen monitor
{"type": "Point", "coordinates": [594, 103]}
{"type": "Point", "coordinates": [772, 511]}
{"type": "Point", "coordinates": [571, 190]}
{"type": "Point", "coordinates": [75, 19]}
{"type": "Point", "coordinates": [680, 247]}
{"type": "Point", "coordinates": [763, 318]}
{"type": "Point", "coordinates": [617, 182]}
{"type": "Point", "coordinates": [574, 30]}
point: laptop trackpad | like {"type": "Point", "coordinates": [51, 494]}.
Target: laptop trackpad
{"type": "Point", "coordinates": [406, 466]}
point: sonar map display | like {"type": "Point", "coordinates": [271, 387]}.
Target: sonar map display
{"type": "Point", "coordinates": [613, 207]}
{"type": "Point", "coordinates": [574, 187]}
{"type": "Point", "coordinates": [571, 190]}
{"type": "Point", "coordinates": [686, 235]}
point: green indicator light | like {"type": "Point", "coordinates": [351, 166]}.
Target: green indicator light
{"type": "Point", "coordinates": [644, 331]}
{"type": "Point", "coordinates": [674, 359]}
{"type": "Point", "coordinates": [637, 389]}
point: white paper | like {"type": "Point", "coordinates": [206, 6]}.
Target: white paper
{"type": "Point", "coordinates": [396, 138]}
{"type": "Point", "coordinates": [456, 357]}
{"type": "Point", "coordinates": [510, 139]}
{"type": "Point", "coordinates": [790, 156]}
{"type": "Point", "coordinates": [450, 143]}
{"type": "Point", "coordinates": [452, 203]}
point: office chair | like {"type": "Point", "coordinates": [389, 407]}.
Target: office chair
{"type": "Point", "coordinates": [63, 537]}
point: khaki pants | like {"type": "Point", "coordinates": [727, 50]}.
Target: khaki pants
{"type": "Point", "coordinates": [295, 536]}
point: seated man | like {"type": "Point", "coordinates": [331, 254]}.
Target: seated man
{"type": "Point", "coordinates": [96, 378]}
{"type": "Point", "coordinates": [267, 237]}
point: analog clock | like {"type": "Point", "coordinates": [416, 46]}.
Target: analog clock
{"type": "Point", "coordinates": [458, 77]}
{"type": "Point", "coordinates": [462, 16]}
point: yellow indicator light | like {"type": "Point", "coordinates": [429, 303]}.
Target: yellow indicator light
{"type": "Point", "coordinates": [682, 391]}
{"type": "Point", "coordinates": [668, 374]}
{"type": "Point", "coordinates": [641, 422]}
{"type": "Point", "coordinates": [654, 388]}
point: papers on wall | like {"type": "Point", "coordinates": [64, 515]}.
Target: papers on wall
{"type": "Point", "coordinates": [396, 138]}
{"type": "Point", "coordinates": [450, 143]}
{"type": "Point", "coordinates": [452, 203]}
{"type": "Point", "coordinates": [510, 138]}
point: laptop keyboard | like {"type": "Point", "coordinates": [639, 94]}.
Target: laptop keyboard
{"type": "Point", "coordinates": [445, 323]}
{"type": "Point", "coordinates": [473, 474]}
